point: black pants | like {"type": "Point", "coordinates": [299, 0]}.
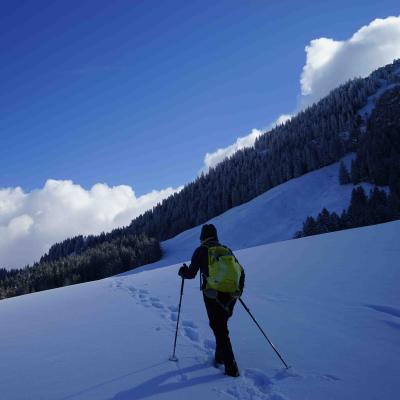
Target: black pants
{"type": "Point", "coordinates": [218, 318]}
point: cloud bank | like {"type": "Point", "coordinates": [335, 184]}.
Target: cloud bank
{"type": "Point", "coordinates": [330, 63]}
{"type": "Point", "coordinates": [214, 158]}
{"type": "Point", "coordinates": [31, 222]}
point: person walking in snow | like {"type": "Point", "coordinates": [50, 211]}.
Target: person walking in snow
{"type": "Point", "coordinates": [222, 282]}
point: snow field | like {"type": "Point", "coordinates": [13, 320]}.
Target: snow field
{"type": "Point", "coordinates": [329, 303]}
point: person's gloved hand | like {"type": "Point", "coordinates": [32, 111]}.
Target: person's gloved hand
{"type": "Point", "coordinates": [182, 270]}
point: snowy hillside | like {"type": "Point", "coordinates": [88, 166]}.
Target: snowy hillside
{"type": "Point", "coordinates": [271, 217]}
{"type": "Point", "coordinates": [330, 304]}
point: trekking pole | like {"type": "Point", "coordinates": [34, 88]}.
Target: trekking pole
{"type": "Point", "coordinates": [259, 327]}
{"type": "Point", "coordinates": [173, 357]}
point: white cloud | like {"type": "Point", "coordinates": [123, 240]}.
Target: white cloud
{"type": "Point", "coordinates": [330, 63]}
{"type": "Point", "coordinates": [213, 159]}
{"type": "Point", "coordinates": [31, 222]}
{"type": "Point", "coordinates": [280, 120]}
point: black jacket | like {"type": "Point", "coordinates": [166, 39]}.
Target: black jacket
{"type": "Point", "coordinates": [200, 262]}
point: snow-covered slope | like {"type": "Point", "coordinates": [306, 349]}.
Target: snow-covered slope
{"type": "Point", "coordinates": [275, 215]}
{"type": "Point", "coordinates": [330, 304]}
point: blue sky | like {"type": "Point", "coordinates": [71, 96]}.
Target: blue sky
{"type": "Point", "coordinates": [136, 92]}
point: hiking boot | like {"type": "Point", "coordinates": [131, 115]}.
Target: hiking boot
{"type": "Point", "coordinates": [231, 369]}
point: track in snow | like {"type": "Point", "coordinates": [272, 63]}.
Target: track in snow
{"type": "Point", "coordinates": [253, 384]}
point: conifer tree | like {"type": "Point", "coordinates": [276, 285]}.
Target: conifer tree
{"type": "Point", "coordinates": [344, 176]}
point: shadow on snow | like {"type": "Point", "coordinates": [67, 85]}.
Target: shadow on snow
{"type": "Point", "coordinates": [156, 385]}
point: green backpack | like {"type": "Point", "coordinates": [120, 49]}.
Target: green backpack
{"type": "Point", "coordinates": [224, 271]}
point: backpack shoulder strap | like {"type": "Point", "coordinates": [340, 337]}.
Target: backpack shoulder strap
{"type": "Point", "coordinates": [202, 276]}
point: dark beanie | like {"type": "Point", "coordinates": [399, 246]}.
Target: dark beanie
{"type": "Point", "coordinates": [208, 232]}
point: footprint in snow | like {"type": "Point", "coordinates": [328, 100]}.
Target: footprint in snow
{"type": "Point", "coordinates": [254, 384]}
{"type": "Point", "coordinates": [116, 285]}
{"type": "Point", "coordinates": [209, 345]}
{"type": "Point", "coordinates": [259, 379]}
{"type": "Point", "coordinates": [189, 324]}
{"type": "Point", "coordinates": [189, 328]}
{"type": "Point", "coordinates": [191, 333]}
{"type": "Point", "coordinates": [246, 391]}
